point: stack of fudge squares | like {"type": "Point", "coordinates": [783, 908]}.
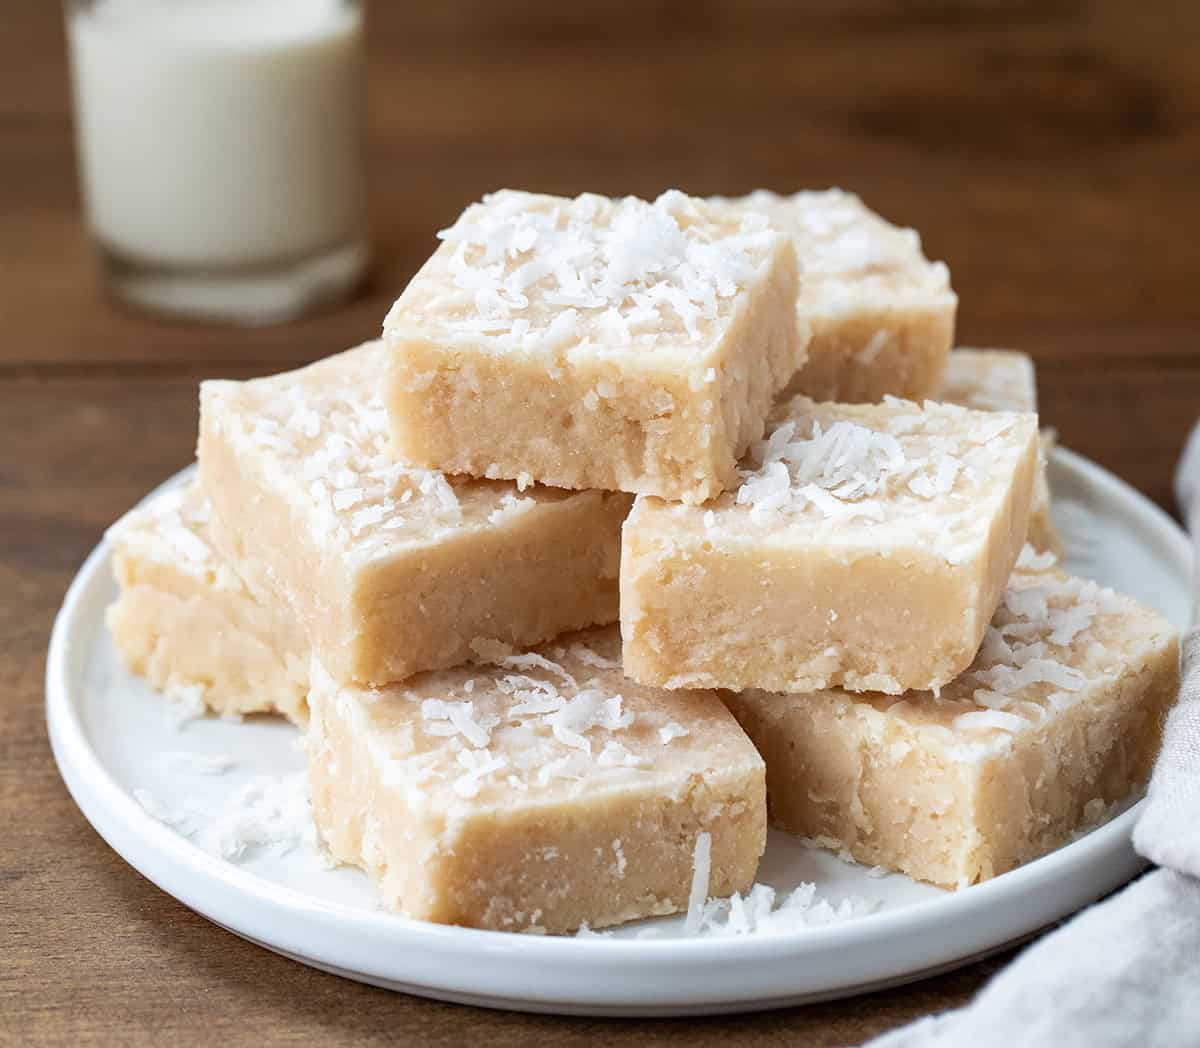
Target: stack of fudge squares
{"type": "Point", "coordinates": [646, 525]}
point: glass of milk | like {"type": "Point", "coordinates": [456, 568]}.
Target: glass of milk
{"type": "Point", "coordinates": [220, 151]}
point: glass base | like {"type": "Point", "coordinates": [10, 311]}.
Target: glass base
{"type": "Point", "coordinates": [253, 296]}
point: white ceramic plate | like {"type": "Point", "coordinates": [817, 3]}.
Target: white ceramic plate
{"type": "Point", "coordinates": [111, 737]}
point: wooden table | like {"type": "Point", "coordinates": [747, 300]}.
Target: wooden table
{"type": "Point", "coordinates": [1048, 151]}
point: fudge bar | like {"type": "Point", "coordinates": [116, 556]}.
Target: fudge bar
{"type": "Point", "coordinates": [867, 546]}
{"type": "Point", "coordinates": [1001, 380]}
{"type": "Point", "coordinates": [535, 793]}
{"type": "Point", "coordinates": [391, 570]}
{"type": "Point", "coordinates": [1057, 720]}
{"type": "Point", "coordinates": [185, 621]}
{"type": "Point", "coordinates": [593, 343]}
{"type": "Point", "coordinates": [881, 314]}
{"type": "Point", "coordinates": [990, 380]}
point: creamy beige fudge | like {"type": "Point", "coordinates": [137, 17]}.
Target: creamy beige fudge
{"type": "Point", "coordinates": [593, 343]}
{"type": "Point", "coordinates": [881, 314]}
{"type": "Point", "coordinates": [990, 380]}
{"type": "Point", "coordinates": [391, 570]}
{"type": "Point", "coordinates": [536, 793]}
{"type": "Point", "coordinates": [1003, 380]}
{"type": "Point", "coordinates": [186, 622]}
{"type": "Point", "coordinates": [1057, 720]}
{"type": "Point", "coordinates": [866, 546]}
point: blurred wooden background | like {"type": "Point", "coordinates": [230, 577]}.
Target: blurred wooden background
{"type": "Point", "coordinates": [1048, 150]}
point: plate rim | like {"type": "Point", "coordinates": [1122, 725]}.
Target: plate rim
{"type": "Point", "coordinates": [288, 920]}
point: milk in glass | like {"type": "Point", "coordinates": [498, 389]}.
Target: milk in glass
{"type": "Point", "coordinates": [220, 150]}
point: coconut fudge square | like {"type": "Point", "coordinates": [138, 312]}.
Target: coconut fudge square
{"type": "Point", "coordinates": [1003, 380]}
{"type": "Point", "coordinates": [186, 621]}
{"type": "Point", "coordinates": [881, 314]}
{"type": "Point", "coordinates": [536, 793]}
{"type": "Point", "coordinates": [391, 570]}
{"type": "Point", "coordinates": [866, 547]}
{"type": "Point", "coordinates": [1057, 720]}
{"type": "Point", "coordinates": [593, 343]}
{"type": "Point", "coordinates": [990, 380]}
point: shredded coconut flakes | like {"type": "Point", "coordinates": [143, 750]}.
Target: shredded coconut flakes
{"type": "Point", "coordinates": [1030, 657]}
{"type": "Point", "coordinates": [440, 717]}
{"type": "Point", "coordinates": [672, 730]}
{"type": "Point", "coordinates": [630, 267]}
{"type": "Point", "coordinates": [184, 704]}
{"type": "Point", "coordinates": [756, 912]}
{"type": "Point", "coordinates": [264, 813]}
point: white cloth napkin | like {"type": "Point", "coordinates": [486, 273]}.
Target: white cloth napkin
{"type": "Point", "coordinates": [1125, 971]}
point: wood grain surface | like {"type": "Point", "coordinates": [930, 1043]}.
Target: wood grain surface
{"type": "Point", "coordinates": [1048, 150]}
